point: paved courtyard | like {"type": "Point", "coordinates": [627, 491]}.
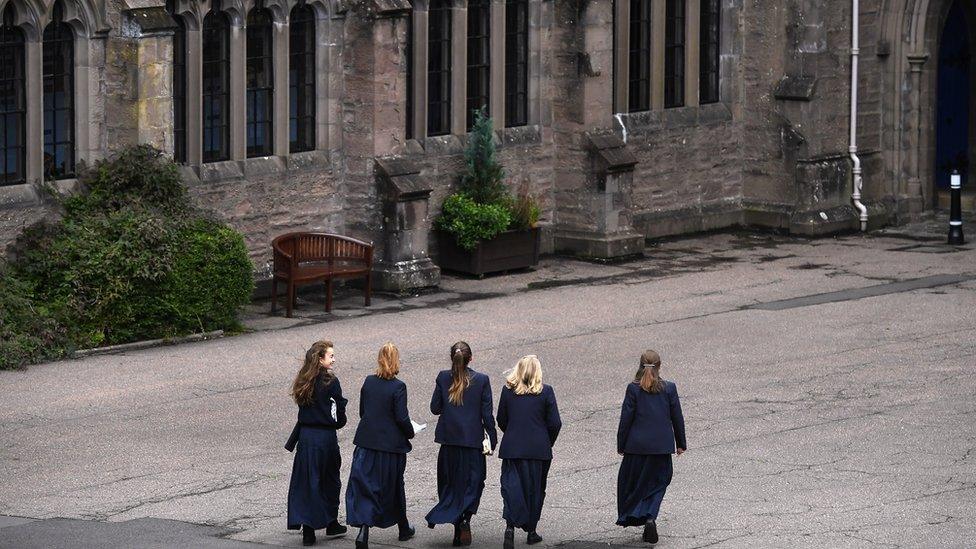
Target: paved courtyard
{"type": "Point", "coordinates": [829, 389]}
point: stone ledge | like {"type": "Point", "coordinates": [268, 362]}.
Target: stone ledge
{"type": "Point", "coordinates": [675, 118]}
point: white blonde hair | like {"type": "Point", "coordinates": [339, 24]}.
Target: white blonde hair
{"type": "Point", "coordinates": [526, 377]}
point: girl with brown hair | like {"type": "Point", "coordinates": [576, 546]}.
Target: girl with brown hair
{"type": "Point", "coordinates": [462, 399]}
{"type": "Point", "coordinates": [651, 429]}
{"type": "Point", "coordinates": [313, 494]}
{"type": "Point", "coordinates": [375, 495]}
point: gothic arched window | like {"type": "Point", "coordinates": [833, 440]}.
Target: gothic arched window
{"type": "Point", "coordinates": [59, 97]}
{"type": "Point", "coordinates": [179, 85]}
{"type": "Point", "coordinates": [479, 57]}
{"type": "Point", "coordinates": [516, 62]}
{"type": "Point", "coordinates": [301, 79]}
{"type": "Point", "coordinates": [260, 83]}
{"type": "Point", "coordinates": [216, 84]}
{"type": "Point", "coordinates": [12, 100]}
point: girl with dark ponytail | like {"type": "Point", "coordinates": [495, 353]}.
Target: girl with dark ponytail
{"type": "Point", "coordinates": [651, 429]}
{"type": "Point", "coordinates": [462, 399]}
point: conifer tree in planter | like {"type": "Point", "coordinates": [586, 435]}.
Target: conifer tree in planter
{"type": "Point", "coordinates": [482, 227]}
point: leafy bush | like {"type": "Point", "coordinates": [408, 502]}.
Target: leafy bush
{"type": "Point", "coordinates": [524, 211]}
{"type": "Point", "coordinates": [131, 259]}
{"type": "Point", "coordinates": [28, 332]}
{"type": "Point", "coordinates": [470, 221]}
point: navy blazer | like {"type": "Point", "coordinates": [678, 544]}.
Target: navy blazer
{"type": "Point", "coordinates": [318, 413]}
{"type": "Point", "coordinates": [384, 422]}
{"type": "Point", "coordinates": [534, 424]}
{"type": "Point", "coordinates": [651, 423]}
{"type": "Point", "coordinates": [464, 425]}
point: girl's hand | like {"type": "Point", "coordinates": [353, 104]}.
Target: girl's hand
{"type": "Point", "coordinates": [679, 451]}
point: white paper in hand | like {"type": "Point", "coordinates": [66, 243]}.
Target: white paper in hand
{"type": "Point", "coordinates": [417, 427]}
{"type": "Point", "coordinates": [335, 417]}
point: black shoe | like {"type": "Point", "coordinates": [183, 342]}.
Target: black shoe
{"type": "Point", "coordinates": [465, 530]}
{"type": "Point", "coordinates": [650, 532]}
{"type": "Point", "coordinates": [509, 538]}
{"type": "Point", "coordinates": [406, 533]}
{"type": "Point", "coordinates": [335, 530]}
{"type": "Point", "coordinates": [308, 536]}
{"type": "Point", "coordinates": [456, 542]}
{"type": "Point", "coordinates": [362, 540]}
{"type": "Point", "coordinates": [533, 538]}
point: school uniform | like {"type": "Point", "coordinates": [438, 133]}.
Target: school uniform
{"type": "Point", "coordinates": [651, 425]}
{"type": "Point", "coordinates": [313, 493]}
{"type": "Point", "coordinates": [530, 424]}
{"type": "Point", "coordinates": [461, 467]}
{"type": "Point", "coordinates": [375, 493]}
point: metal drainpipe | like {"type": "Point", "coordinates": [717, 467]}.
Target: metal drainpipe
{"type": "Point", "coordinates": [856, 191]}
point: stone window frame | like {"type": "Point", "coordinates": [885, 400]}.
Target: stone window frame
{"type": "Point", "coordinates": [12, 37]}
{"type": "Point", "coordinates": [89, 33]}
{"type": "Point", "coordinates": [417, 49]}
{"type": "Point", "coordinates": [621, 54]}
{"type": "Point", "coordinates": [328, 36]}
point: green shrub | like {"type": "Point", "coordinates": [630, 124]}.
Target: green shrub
{"type": "Point", "coordinates": [130, 259]}
{"type": "Point", "coordinates": [525, 212]}
{"type": "Point", "coordinates": [484, 179]}
{"type": "Point", "coordinates": [470, 221]}
{"type": "Point", "coordinates": [28, 332]}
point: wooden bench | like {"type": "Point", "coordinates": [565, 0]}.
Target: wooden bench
{"type": "Point", "coordinates": [305, 258]}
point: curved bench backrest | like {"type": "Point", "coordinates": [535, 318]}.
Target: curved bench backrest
{"type": "Point", "coordinates": [323, 247]}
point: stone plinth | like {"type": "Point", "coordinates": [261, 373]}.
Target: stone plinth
{"type": "Point", "coordinates": [404, 264]}
{"type": "Point", "coordinates": [608, 233]}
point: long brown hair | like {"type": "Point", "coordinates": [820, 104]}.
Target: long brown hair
{"type": "Point", "coordinates": [649, 372]}
{"type": "Point", "coordinates": [303, 389]}
{"type": "Point", "coordinates": [460, 377]}
{"type": "Point", "coordinates": [388, 362]}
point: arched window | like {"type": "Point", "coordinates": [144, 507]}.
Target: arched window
{"type": "Point", "coordinates": [439, 68]}
{"type": "Point", "coordinates": [260, 83]}
{"type": "Point", "coordinates": [59, 97]}
{"type": "Point", "coordinates": [12, 100]}
{"type": "Point", "coordinates": [674, 53]}
{"type": "Point", "coordinates": [179, 85]}
{"type": "Point", "coordinates": [516, 62]}
{"type": "Point", "coordinates": [709, 53]}
{"type": "Point", "coordinates": [479, 57]}
{"type": "Point", "coordinates": [301, 79]}
{"type": "Point", "coordinates": [639, 79]}
{"type": "Point", "coordinates": [216, 84]}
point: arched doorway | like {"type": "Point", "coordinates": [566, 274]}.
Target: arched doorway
{"type": "Point", "coordinates": [953, 110]}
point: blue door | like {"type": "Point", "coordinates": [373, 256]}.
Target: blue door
{"type": "Point", "coordinates": [952, 111]}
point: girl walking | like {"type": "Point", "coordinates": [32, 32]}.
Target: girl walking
{"type": "Point", "coordinates": [375, 495]}
{"type": "Point", "coordinates": [313, 494]}
{"type": "Point", "coordinates": [462, 399]}
{"type": "Point", "coordinates": [651, 429]}
{"type": "Point", "coordinates": [528, 416]}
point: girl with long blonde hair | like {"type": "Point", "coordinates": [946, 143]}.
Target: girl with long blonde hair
{"type": "Point", "coordinates": [462, 399]}
{"type": "Point", "coordinates": [529, 417]}
{"type": "Point", "coordinates": [313, 493]}
{"type": "Point", "coordinates": [652, 428]}
{"type": "Point", "coordinates": [375, 495]}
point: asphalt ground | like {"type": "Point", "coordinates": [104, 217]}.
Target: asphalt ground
{"type": "Point", "coordinates": [828, 388]}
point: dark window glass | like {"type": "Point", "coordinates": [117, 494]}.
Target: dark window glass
{"type": "Point", "coordinates": [479, 57]}
{"type": "Point", "coordinates": [301, 79]}
{"type": "Point", "coordinates": [709, 55]}
{"type": "Point", "coordinates": [59, 97]}
{"type": "Point", "coordinates": [12, 100]}
{"type": "Point", "coordinates": [409, 53]}
{"type": "Point", "coordinates": [216, 84]}
{"type": "Point", "coordinates": [260, 83]}
{"type": "Point", "coordinates": [179, 85]}
{"type": "Point", "coordinates": [639, 81]}
{"type": "Point", "coordinates": [439, 68]}
{"type": "Point", "coordinates": [516, 63]}
{"type": "Point", "coordinates": [674, 53]}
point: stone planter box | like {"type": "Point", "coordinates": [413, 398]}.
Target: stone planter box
{"type": "Point", "coordinates": [508, 251]}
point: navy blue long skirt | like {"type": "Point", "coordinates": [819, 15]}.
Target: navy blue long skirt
{"type": "Point", "coordinates": [460, 482]}
{"type": "Point", "coordinates": [641, 484]}
{"type": "Point", "coordinates": [375, 495]}
{"type": "Point", "coordinates": [313, 494]}
{"type": "Point", "coordinates": [524, 491]}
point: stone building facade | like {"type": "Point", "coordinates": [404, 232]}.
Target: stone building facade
{"type": "Point", "coordinates": [627, 119]}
